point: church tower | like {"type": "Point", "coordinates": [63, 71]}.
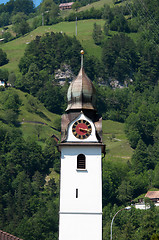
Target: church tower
{"type": "Point", "coordinates": [80, 216]}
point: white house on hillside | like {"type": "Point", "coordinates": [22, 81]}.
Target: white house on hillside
{"type": "Point", "coordinates": [2, 83]}
{"type": "Point", "coordinates": [153, 196]}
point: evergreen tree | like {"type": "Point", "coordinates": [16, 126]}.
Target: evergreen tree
{"type": "Point", "coordinates": [97, 34]}
{"type": "Point", "coordinates": [140, 158]}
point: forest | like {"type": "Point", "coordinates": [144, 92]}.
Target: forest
{"type": "Point", "coordinates": [126, 81]}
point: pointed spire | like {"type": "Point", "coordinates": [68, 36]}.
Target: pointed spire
{"type": "Point", "coordinates": [81, 92]}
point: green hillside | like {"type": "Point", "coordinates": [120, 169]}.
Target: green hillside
{"type": "Point", "coordinates": [117, 145]}
{"type": "Point", "coordinates": [15, 49]}
{"type": "Point", "coordinates": [97, 5]}
{"type": "Point", "coordinates": [35, 120]}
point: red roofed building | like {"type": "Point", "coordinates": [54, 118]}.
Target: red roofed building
{"type": "Point", "coordinates": [7, 236]}
{"type": "Point", "coordinates": [64, 6]}
{"type": "Point", "coordinates": [153, 196]}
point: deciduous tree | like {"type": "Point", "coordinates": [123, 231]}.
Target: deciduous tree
{"type": "Point", "coordinates": [20, 25]}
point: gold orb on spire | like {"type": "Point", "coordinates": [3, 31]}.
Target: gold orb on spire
{"type": "Point", "coordinates": [82, 52]}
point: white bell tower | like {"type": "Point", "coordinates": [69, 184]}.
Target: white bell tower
{"type": "Point", "coordinates": [80, 216]}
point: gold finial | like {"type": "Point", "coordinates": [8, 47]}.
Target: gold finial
{"type": "Point", "coordinates": [82, 53]}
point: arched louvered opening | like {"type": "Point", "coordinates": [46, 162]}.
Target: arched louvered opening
{"type": "Point", "coordinates": [81, 161]}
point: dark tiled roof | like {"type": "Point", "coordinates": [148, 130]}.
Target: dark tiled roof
{"type": "Point", "coordinates": [7, 236]}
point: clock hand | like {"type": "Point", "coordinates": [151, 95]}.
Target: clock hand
{"type": "Point", "coordinates": [83, 129]}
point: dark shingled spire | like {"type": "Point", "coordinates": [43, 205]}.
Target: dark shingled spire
{"type": "Point", "coordinates": [81, 94]}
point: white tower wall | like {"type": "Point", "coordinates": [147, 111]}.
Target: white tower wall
{"type": "Point", "coordinates": [80, 194]}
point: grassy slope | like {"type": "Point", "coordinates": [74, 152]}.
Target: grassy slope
{"type": "Point", "coordinates": [15, 49]}
{"type": "Point", "coordinates": [41, 115]}
{"type": "Point", "coordinates": [97, 5]}
{"type": "Point", "coordinates": [117, 145]}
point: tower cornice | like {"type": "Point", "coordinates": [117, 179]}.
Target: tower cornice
{"type": "Point", "coordinates": [83, 144]}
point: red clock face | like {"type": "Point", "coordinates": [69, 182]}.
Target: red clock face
{"type": "Point", "coordinates": [81, 129]}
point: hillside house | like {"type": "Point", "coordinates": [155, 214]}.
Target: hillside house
{"type": "Point", "coordinates": [64, 6]}
{"type": "Point", "coordinates": [2, 83]}
{"type": "Point", "coordinates": [153, 196]}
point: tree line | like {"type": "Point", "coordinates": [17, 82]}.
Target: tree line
{"type": "Point", "coordinates": [13, 7]}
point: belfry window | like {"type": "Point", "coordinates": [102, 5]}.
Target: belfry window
{"type": "Point", "coordinates": [81, 161]}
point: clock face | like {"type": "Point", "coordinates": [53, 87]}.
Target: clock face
{"type": "Point", "coordinates": [81, 129]}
